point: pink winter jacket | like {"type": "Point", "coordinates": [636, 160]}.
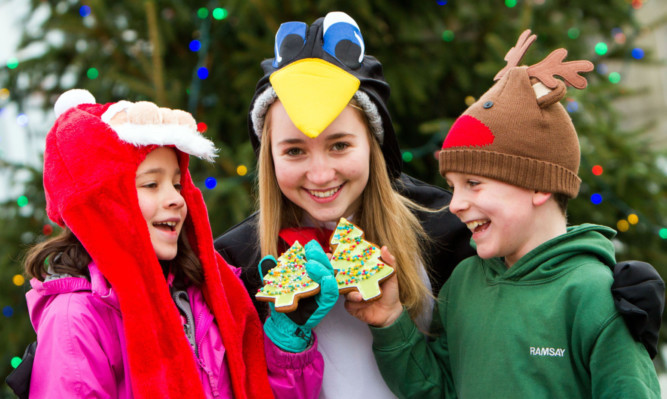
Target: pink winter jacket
{"type": "Point", "coordinates": [81, 347]}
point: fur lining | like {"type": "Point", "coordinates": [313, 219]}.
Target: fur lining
{"type": "Point", "coordinates": [259, 109]}
{"type": "Point", "coordinates": [268, 97]}
{"type": "Point", "coordinates": [184, 138]}
{"type": "Point", "coordinates": [115, 109]}
{"type": "Point", "coordinates": [372, 113]}
{"type": "Point", "coordinates": [181, 136]}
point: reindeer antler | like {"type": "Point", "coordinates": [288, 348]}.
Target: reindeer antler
{"type": "Point", "coordinates": [516, 53]}
{"type": "Point", "coordinates": [553, 65]}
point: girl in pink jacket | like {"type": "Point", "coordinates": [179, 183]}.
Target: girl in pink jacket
{"type": "Point", "coordinates": [124, 305]}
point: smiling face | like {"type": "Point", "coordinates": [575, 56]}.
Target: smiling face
{"type": "Point", "coordinates": [504, 219]}
{"type": "Point", "coordinates": [158, 183]}
{"type": "Point", "coordinates": [325, 176]}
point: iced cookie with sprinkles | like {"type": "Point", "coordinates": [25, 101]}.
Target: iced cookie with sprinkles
{"type": "Point", "coordinates": [288, 281]}
{"type": "Point", "coordinates": [357, 262]}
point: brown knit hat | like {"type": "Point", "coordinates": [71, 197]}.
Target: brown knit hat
{"type": "Point", "coordinates": [518, 132]}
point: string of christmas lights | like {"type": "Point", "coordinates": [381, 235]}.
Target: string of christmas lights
{"type": "Point", "coordinates": [201, 45]}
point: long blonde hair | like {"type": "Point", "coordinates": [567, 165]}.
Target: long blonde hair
{"type": "Point", "coordinates": [384, 215]}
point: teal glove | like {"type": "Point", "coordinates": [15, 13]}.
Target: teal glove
{"type": "Point", "coordinates": [284, 332]}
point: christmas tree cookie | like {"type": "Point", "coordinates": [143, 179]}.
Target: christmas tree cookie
{"type": "Point", "coordinates": [357, 262]}
{"type": "Point", "coordinates": [288, 281]}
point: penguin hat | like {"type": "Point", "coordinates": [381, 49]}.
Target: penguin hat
{"type": "Point", "coordinates": [315, 73]}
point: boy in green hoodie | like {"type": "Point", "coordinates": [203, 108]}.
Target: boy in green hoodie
{"type": "Point", "coordinates": [532, 315]}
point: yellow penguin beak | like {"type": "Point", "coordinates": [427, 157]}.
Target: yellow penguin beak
{"type": "Point", "coordinates": [313, 92]}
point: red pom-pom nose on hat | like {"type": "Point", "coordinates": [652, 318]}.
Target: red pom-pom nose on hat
{"type": "Point", "coordinates": [468, 131]}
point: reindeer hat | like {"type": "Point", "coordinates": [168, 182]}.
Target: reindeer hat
{"type": "Point", "coordinates": [518, 132]}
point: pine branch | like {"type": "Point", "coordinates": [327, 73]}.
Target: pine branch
{"type": "Point", "coordinates": [158, 66]}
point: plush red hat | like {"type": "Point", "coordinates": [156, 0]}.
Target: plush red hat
{"type": "Point", "coordinates": [90, 162]}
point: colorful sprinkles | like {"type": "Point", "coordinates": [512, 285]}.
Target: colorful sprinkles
{"type": "Point", "coordinates": [357, 261]}
{"type": "Point", "coordinates": [288, 278]}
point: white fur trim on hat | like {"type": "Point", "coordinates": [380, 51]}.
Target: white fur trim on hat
{"type": "Point", "coordinates": [268, 97]}
{"type": "Point", "coordinates": [259, 109]}
{"type": "Point", "coordinates": [114, 109]}
{"type": "Point", "coordinates": [371, 111]}
{"type": "Point", "coordinates": [184, 137]}
{"type": "Point", "coordinates": [72, 98]}
{"type": "Point", "coordinates": [181, 136]}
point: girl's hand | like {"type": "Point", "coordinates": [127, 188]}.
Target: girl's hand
{"type": "Point", "coordinates": [147, 113]}
{"type": "Point", "coordinates": [381, 312]}
{"type": "Point", "coordinates": [283, 329]}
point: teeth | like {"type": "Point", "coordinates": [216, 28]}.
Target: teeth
{"type": "Point", "coordinates": [325, 194]}
{"type": "Point", "coordinates": [475, 224]}
{"type": "Point", "coordinates": [170, 224]}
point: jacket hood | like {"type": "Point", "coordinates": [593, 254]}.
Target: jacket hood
{"type": "Point", "coordinates": [552, 257]}
{"type": "Point", "coordinates": [43, 291]}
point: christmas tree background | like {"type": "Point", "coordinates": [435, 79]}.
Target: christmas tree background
{"type": "Point", "coordinates": [438, 56]}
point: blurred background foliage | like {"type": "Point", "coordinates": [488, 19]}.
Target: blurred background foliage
{"type": "Point", "coordinates": [437, 55]}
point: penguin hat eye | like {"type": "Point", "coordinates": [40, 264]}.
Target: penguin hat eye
{"type": "Point", "coordinates": [290, 39]}
{"type": "Point", "coordinates": [342, 39]}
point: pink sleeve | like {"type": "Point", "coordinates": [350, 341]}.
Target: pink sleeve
{"type": "Point", "coordinates": [69, 362]}
{"type": "Point", "coordinates": [294, 375]}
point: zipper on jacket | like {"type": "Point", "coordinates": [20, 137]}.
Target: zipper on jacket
{"type": "Point", "coordinates": [183, 304]}
{"type": "Point", "coordinates": [198, 323]}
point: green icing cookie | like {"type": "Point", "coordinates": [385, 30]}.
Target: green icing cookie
{"type": "Point", "coordinates": [357, 262]}
{"type": "Point", "coordinates": [288, 281]}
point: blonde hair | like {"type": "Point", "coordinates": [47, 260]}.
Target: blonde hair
{"type": "Point", "coordinates": [384, 215]}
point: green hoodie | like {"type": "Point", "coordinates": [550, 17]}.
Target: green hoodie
{"type": "Point", "coordinates": [544, 328]}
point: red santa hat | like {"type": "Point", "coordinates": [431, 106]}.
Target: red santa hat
{"type": "Point", "coordinates": [90, 162]}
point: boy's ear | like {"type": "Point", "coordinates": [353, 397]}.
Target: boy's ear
{"type": "Point", "coordinates": [540, 197]}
